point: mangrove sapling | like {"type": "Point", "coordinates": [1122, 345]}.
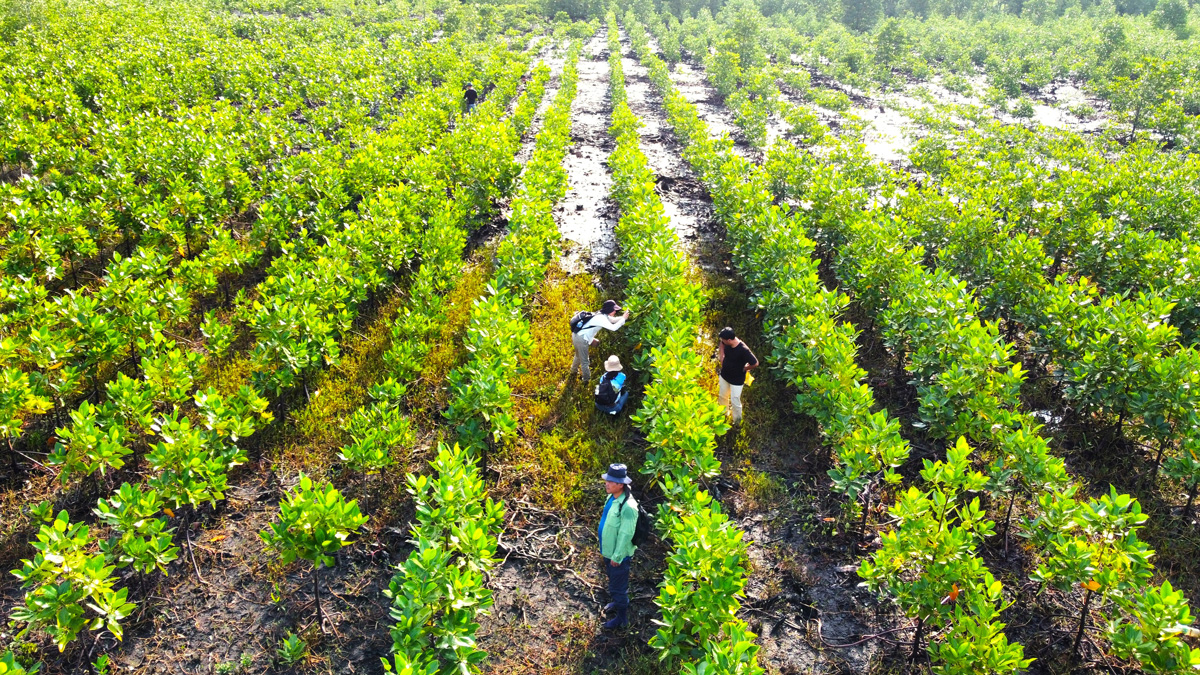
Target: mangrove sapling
{"type": "Point", "coordinates": [1090, 545]}
{"type": "Point", "coordinates": [292, 650]}
{"type": "Point", "coordinates": [94, 441]}
{"type": "Point", "coordinates": [377, 429]}
{"type": "Point", "coordinates": [69, 589]}
{"type": "Point", "coordinates": [18, 400]}
{"type": "Point", "coordinates": [315, 522]}
{"type": "Point", "coordinates": [139, 537]}
{"type": "Point", "coordinates": [1186, 467]}
{"type": "Point", "coordinates": [1024, 467]}
{"type": "Point", "coordinates": [1158, 618]}
{"type": "Point", "coordinates": [928, 565]}
{"type": "Point", "coordinates": [439, 589]}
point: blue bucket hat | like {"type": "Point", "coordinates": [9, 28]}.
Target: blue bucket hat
{"type": "Point", "coordinates": [617, 473]}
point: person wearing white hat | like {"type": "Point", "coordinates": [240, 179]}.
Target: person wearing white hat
{"type": "Point", "coordinates": [611, 392]}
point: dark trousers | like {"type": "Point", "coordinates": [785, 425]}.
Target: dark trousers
{"type": "Point", "coordinates": [615, 407]}
{"type": "Point", "coordinates": [618, 587]}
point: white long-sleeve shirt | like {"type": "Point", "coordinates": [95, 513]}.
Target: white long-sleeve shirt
{"type": "Point", "coordinates": [599, 321]}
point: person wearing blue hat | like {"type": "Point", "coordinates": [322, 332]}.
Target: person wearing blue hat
{"type": "Point", "coordinates": [616, 541]}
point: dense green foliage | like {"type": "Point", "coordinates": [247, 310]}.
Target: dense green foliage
{"type": "Point", "coordinates": [203, 203]}
{"type": "Point", "coordinates": [439, 589]}
{"type": "Point", "coordinates": [324, 137]}
{"type": "Point", "coordinates": [897, 260]}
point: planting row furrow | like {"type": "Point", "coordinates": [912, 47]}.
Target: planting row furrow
{"type": "Point", "coordinates": [708, 565]}
{"type": "Point", "coordinates": [439, 589]}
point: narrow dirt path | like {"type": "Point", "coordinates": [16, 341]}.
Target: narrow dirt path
{"type": "Point", "coordinates": [887, 133]}
{"type": "Point", "coordinates": [247, 600]}
{"type": "Point", "coordinates": [549, 589]}
{"type": "Point", "coordinates": [802, 596]}
{"type": "Point", "coordinates": [586, 218]}
{"type": "Point", "coordinates": [685, 200]}
{"type": "Point", "coordinates": [689, 81]}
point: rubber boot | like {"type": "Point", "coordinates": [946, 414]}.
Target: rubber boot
{"type": "Point", "coordinates": [620, 620]}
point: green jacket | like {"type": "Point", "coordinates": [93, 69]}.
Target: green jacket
{"type": "Point", "coordinates": [616, 540]}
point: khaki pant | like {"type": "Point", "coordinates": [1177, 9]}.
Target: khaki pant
{"type": "Point", "coordinates": [730, 396]}
{"type": "Point", "coordinates": [581, 355]}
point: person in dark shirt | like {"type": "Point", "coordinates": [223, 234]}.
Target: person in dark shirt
{"type": "Point", "coordinates": [736, 360]}
{"type": "Point", "coordinates": [470, 96]}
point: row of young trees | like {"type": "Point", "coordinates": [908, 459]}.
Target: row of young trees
{"type": "Point", "coordinates": [1010, 203]}
{"type": "Point", "coordinates": [439, 589]}
{"type": "Point", "coordinates": [930, 553]}
{"type": "Point", "coordinates": [452, 507]}
{"type": "Point", "coordinates": [72, 588]}
{"type": "Point", "coordinates": [707, 569]}
{"type": "Point", "coordinates": [960, 393]}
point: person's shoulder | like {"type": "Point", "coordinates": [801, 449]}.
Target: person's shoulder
{"type": "Point", "coordinates": [632, 502]}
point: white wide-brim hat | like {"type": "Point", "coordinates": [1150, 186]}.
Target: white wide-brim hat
{"type": "Point", "coordinates": [613, 364]}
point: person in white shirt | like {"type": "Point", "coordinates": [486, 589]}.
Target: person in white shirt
{"type": "Point", "coordinates": [585, 337]}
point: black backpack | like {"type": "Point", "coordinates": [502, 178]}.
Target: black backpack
{"type": "Point", "coordinates": [605, 394]}
{"type": "Point", "coordinates": [580, 320]}
{"type": "Point", "coordinates": [645, 524]}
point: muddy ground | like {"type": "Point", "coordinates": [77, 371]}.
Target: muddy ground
{"type": "Point", "coordinates": [586, 218]}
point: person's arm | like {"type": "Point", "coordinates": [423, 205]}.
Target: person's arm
{"type": "Point", "coordinates": [614, 321]}
{"type": "Point", "coordinates": [720, 351]}
{"type": "Point", "coordinates": [752, 363]}
{"type": "Point", "coordinates": [629, 516]}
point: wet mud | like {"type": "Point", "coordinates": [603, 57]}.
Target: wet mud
{"type": "Point", "coordinates": [586, 217]}
{"type": "Point", "coordinates": [685, 200]}
{"type": "Point", "coordinates": [891, 128]}
{"type": "Point", "coordinates": [550, 590]}
{"type": "Point", "coordinates": [554, 59]}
